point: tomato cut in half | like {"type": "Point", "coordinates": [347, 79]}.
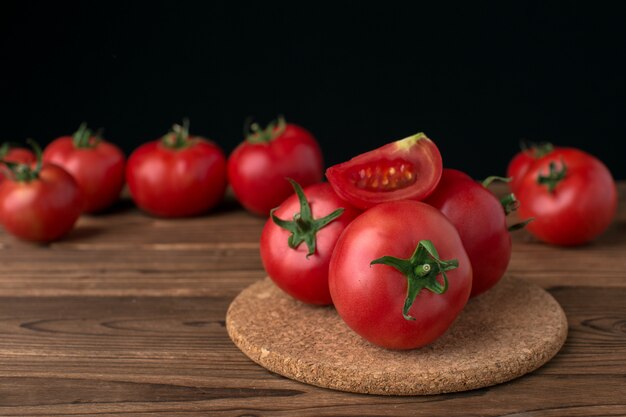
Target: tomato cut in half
{"type": "Point", "coordinates": [407, 169]}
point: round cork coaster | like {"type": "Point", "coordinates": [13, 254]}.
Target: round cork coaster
{"type": "Point", "coordinates": [505, 333]}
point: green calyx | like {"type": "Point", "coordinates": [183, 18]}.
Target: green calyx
{"type": "Point", "coordinates": [178, 138]}
{"type": "Point", "coordinates": [537, 150]}
{"type": "Point", "coordinates": [23, 172]}
{"type": "Point", "coordinates": [554, 177]}
{"type": "Point", "coordinates": [4, 149]}
{"type": "Point", "coordinates": [520, 225]}
{"type": "Point", "coordinates": [509, 202]}
{"type": "Point", "coordinates": [253, 133]}
{"type": "Point", "coordinates": [493, 178]}
{"type": "Point", "coordinates": [84, 137]}
{"type": "Point", "coordinates": [421, 271]}
{"type": "Point", "coordinates": [304, 227]}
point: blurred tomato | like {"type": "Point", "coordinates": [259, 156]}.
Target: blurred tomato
{"type": "Point", "coordinates": [178, 175]}
{"type": "Point", "coordinates": [258, 167]}
{"type": "Point", "coordinates": [96, 165]}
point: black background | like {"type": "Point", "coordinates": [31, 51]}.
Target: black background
{"type": "Point", "coordinates": [475, 76]}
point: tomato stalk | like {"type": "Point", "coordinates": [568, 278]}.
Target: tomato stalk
{"type": "Point", "coordinates": [304, 227]}
{"type": "Point", "coordinates": [255, 134]}
{"type": "Point", "coordinates": [23, 172]}
{"type": "Point", "coordinates": [509, 202]}
{"type": "Point", "coordinates": [84, 137]}
{"type": "Point", "coordinates": [493, 178]}
{"type": "Point", "coordinates": [554, 177]}
{"type": "Point", "coordinates": [178, 138]}
{"type": "Point", "coordinates": [421, 271]}
{"type": "Point", "coordinates": [4, 149]}
{"type": "Point", "coordinates": [536, 150]}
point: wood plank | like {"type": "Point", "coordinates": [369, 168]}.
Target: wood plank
{"type": "Point", "coordinates": [76, 355]}
{"type": "Point", "coordinates": [126, 317]}
{"type": "Point", "coordinates": [72, 397]}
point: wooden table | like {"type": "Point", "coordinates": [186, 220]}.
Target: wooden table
{"type": "Point", "coordinates": [126, 317]}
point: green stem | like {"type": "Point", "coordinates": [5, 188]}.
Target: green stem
{"type": "Point", "coordinates": [23, 172]}
{"type": "Point", "coordinates": [509, 203]}
{"type": "Point", "coordinates": [537, 150]}
{"type": "Point", "coordinates": [253, 132]}
{"type": "Point", "coordinates": [4, 149]}
{"type": "Point", "coordinates": [178, 138]}
{"type": "Point", "coordinates": [554, 177]}
{"type": "Point", "coordinates": [421, 271]}
{"type": "Point", "coordinates": [304, 227]}
{"type": "Point", "coordinates": [489, 180]}
{"type": "Point", "coordinates": [520, 225]}
{"type": "Point", "coordinates": [82, 137]}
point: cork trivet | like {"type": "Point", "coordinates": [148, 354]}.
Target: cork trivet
{"type": "Point", "coordinates": [505, 333]}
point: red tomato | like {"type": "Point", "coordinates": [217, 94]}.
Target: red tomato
{"type": "Point", "coordinates": [39, 204]}
{"type": "Point", "coordinates": [571, 195]}
{"type": "Point", "coordinates": [257, 168]}
{"type": "Point", "coordinates": [96, 165]}
{"type": "Point", "coordinates": [408, 169]}
{"type": "Point", "coordinates": [178, 175]}
{"type": "Point", "coordinates": [15, 154]}
{"type": "Point", "coordinates": [394, 309]}
{"type": "Point", "coordinates": [521, 162]}
{"type": "Point", "coordinates": [480, 220]}
{"type": "Point", "coordinates": [298, 240]}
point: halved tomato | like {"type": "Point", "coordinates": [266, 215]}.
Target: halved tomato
{"type": "Point", "coordinates": [407, 169]}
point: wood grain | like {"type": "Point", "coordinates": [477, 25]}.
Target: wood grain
{"type": "Point", "coordinates": [126, 317]}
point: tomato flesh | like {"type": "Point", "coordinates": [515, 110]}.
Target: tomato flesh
{"type": "Point", "coordinates": [385, 175]}
{"type": "Point", "coordinates": [407, 169]}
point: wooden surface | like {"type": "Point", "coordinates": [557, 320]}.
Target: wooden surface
{"type": "Point", "coordinates": [505, 333]}
{"type": "Point", "coordinates": [126, 317]}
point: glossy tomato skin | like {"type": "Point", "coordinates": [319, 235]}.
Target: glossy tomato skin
{"type": "Point", "coordinates": [407, 169]}
{"type": "Point", "coordinates": [19, 155]}
{"type": "Point", "coordinates": [257, 171]}
{"type": "Point", "coordinates": [305, 279]}
{"type": "Point", "coordinates": [370, 298]}
{"type": "Point", "coordinates": [98, 169]}
{"type": "Point", "coordinates": [480, 220]}
{"type": "Point", "coordinates": [581, 206]}
{"type": "Point", "coordinates": [43, 209]}
{"type": "Point", "coordinates": [169, 182]}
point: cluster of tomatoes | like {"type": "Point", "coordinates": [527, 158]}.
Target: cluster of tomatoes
{"type": "Point", "coordinates": [42, 194]}
{"type": "Point", "coordinates": [398, 244]}
{"type": "Point", "coordinates": [394, 241]}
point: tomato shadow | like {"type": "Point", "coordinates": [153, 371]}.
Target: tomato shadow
{"type": "Point", "coordinates": [122, 205]}
{"type": "Point", "coordinates": [80, 233]}
{"type": "Point", "coordinates": [612, 237]}
{"type": "Point", "coordinates": [228, 204]}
